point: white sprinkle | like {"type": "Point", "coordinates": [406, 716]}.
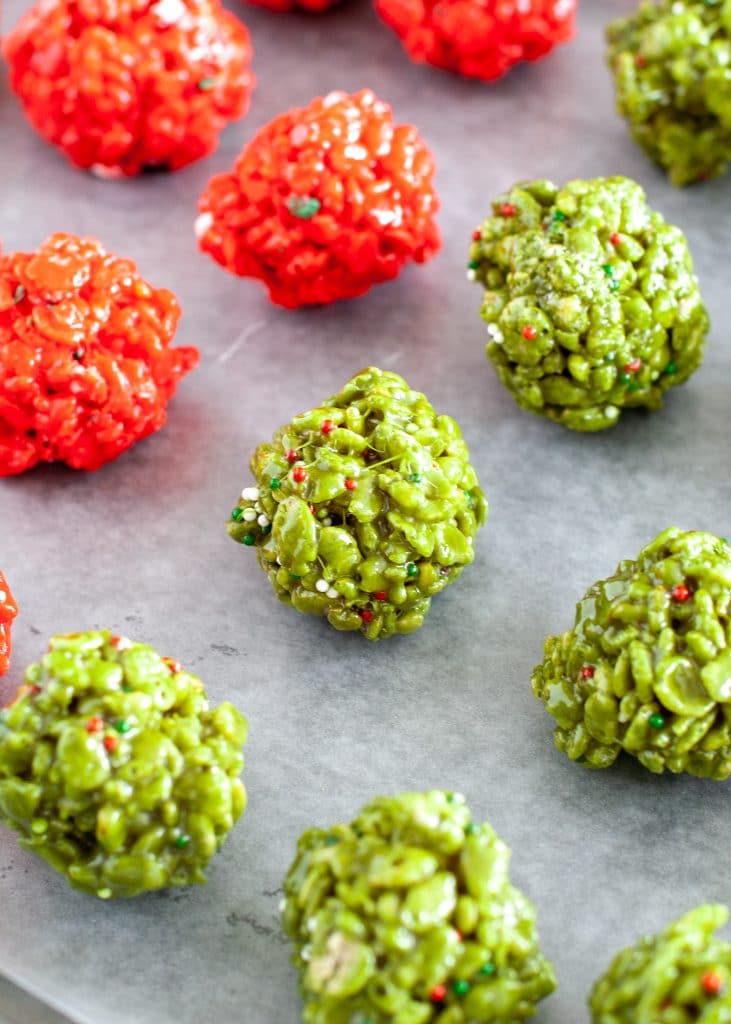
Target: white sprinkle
{"type": "Point", "coordinates": [250, 493]}
{"type": "Point", "coordinates": [299, 134]}
{"type": "Point", "coordinates": [469, 541]}
{"type": "Point", "coordinates": [168, 11]}
{"type": "Point", "coordinates": [322, 586]}
{"type": "Point", "coordinates": [327, 521]}
{"type": "Point", "coordinates": [611, 411]}
{"type": "Point", "coordinates": [471, 274]}
{"type": "Point", "coordinates": [333, 593]}
{"type": "Point", "coordinates": [495, 333]}
{"type": "Point", "coordinates": [282, 905]}
{"type": "Point", "coordinates": [202, 223]}
{"type": "Point", "coordinates": [249, 515]}
{"type": "Point", "coordinates": [105, 173]}
{"type": "Point", "coordinates": [263, 520]}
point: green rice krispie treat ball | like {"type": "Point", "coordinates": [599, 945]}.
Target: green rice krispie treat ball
{"type": "Point", "coordinates": [590, 300]}
{"type": "Point", "coordinates": [364, 507]}
{"type": "Point", "coordinates": [672, 66]}
{"type": "Point", "coordinates": [680, 976]}
{"type": "Point", "coordinates": [647, 667]}
{"type": "Point", "coordinates": [114, 769]}
{"type": "Point", "coordinates": [407, 916]}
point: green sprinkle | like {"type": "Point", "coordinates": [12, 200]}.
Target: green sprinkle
{"type": "Point", "coordinates": [471, 829]}
{"type": "Point", "coordinates": [657, 721]}
{"type": "Point", "coordinates": [19, 294]}
{"type": "Point", "coordinates": [275, 483]}
{"type": "Point", "coordinates": [415, 478]}
{"type": "Point", "coordinates": [236, 513]}
{"type": "Point", "coordinates": [208, 83]}
{"type": "Point", "coordinates": [412, 569]}
{"type": "Point", "coordinates": [558, 215]}
{"type": "Point", "coordinates": [182, 841]}
{"type": "Point", "coordinates": [670, 369]}
{"type": "Point", "coordinates": [303, 207]}
{"type": "Point", "coordinates": [122, 726]}
{"type": "Point", "coordinates": [249, 539]}
{"type": "Point", "coordinates": [634, 386]}
{"type": "Point", "coordinates": [461, 988]}
{"type": "Point", "coordinates": [473, 265]}
{"type": "Point", "coordinates": [625, 378]}
{"type": "Point", "coordinates": [608, 269]}
{"type": "Point", "coordinates": [331, 840]}
{"type": "Point", "coordinates": [294, 576]}
{"type": "Point", "coordinates": [487, 970]}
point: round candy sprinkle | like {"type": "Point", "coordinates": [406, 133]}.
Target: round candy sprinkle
{"type": "Point", "coordinates": [381, 595]}
{"type": "Point", "coordinates": [506, 210]}
{"type": "Point", "coordinates": [249, 539]}
{"type": "Point", "coordinates": [712, 983]}
{"type": "Point", "coordinates": [350, 484]}
{"type": "Point", "coordinates": [291, 455]}
{"type": "Point", "coordinates": [438, 994]}
{"type": "Point", "coordinates": [94, 724]}
{"type": "Point", "coordinates": [529, 332]}
{"type": "Point", "coordinates": [299, 474]}
{"type": "Point", "coordinates": [461, 988]}
{"type": "Point", "coordinates": [587, 672]}
{"type": "Point", "coordinates": [657, 721]}
{"type": "Point", "coordinates": [412, 570]}
{"type": "Point", "coordinates": [327, 427]}
{"type": "Point", "coordinates": [275, 483]}
{"type": "Point", "coordinates": [681, 593]}
{"type": "Point", "coordinates": [122, 726]}
{"type": "Point", "coordinates": [111, 743]}
{"type": "Point", "coordinates": [303, 207]}
{"type": "Point", "coordinates": [182, 841]}
{"type": "Point", "coordinates": [366, 615]}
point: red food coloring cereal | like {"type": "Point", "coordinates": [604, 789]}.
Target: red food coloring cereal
{"type": "Point", "coordinates": [126, 85]}
{"type": "Point", "coordinates": [85, 411]}
{"type": "Point", "coordinates": [8, 611]}
{"type": "Point", "coordinates": [324, 202]}
{"type": "Point", "coordinates": [479, 38]}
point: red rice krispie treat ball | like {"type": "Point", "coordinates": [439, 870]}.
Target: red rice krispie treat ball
{"type": "Point", "coordinates": [479, 38]}
{"type": "Point", "coordinates": [124, 85]}
{"type": "Point", "coordinates": [86, 367]}
{"type": "Point", "coordinates": [324, 202]}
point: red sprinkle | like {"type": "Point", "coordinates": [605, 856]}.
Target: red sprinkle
{"type": "Point", "coordinates": [380, 595]}
{"type": "Point", "coordinates": [174, 666]}
{"type": "Point", "coordinates": [681, 592]}
{"type": "Point", "coordinates": [94, 724]}
{"type": "Point", "coordinates": [327, 426]}
{"type": "Point", "coordinates": [508, 210]}
{"type": "Point", "coordinates": [632, 366]}
{"type": "Point", "coordinates": [476, 235]}
{"type": "Point", "coordinates": [299, 474]}
{"type": "Point", "coordinates": [712, 983]}
{"type": "Point", "coordinates": [366, 615]}
{"type": "Point", "coordinates": [438, 994]}
{"type": "Point", "coordinates": [291, 455]}
{"type": "Point", "coordinates": [350, 484]}
{"type": "Point", "coordinates": [111, 743]}
{"type": "Point", "coordinates": [587, 672]}
{"type": "Point", "coordinates": [530, 332]}
{"type": "Point", "coordinates": [615, 239]}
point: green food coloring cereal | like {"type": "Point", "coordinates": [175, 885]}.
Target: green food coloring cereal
{"type": "Point", "coordinates": [681, 976]}
{"type": "Point", "coordinates": [410, 918]}
{"type": "Point", "coordinates": [364, 507]}
{"type": "Point", "coordinates": [591, 313]}
{"type": "Point", "coordinates": [114, 769]}
{"type": "Point", "coordinates": [671, 62]}
{"type": "Point", "coordinates": [647, 667]}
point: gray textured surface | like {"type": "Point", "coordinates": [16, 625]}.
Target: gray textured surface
{"type": "Point", "coordinates": [140, 547]}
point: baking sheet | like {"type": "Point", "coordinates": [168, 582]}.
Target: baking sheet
{"type": "Point", "coordinates": [141, 547]}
